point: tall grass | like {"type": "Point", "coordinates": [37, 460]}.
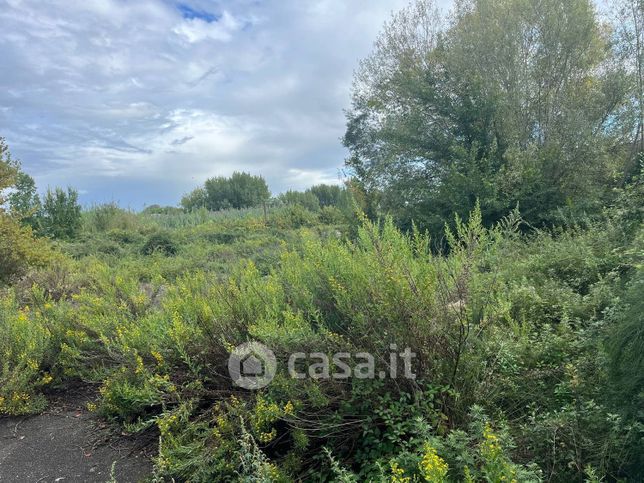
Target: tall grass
{"type": "Point", "coordinates": [201, 216]}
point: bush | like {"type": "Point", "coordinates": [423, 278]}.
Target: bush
{"type": "Point", "coordinates": [292, 216]}
{"type": "Point", "coordinates": [625, 345]}
{"type": "Point", "coordinates": [54, 283]}
{"type": "Point", "coordinates": [24, 345]}
{"type": "Point", "coordinates": [333, 297]}
{"type": "Point", "coordinates": [124, 237]}
{"type": "Point", "coordinates": [19, 249]}
{"type": "Point", "coordinates": [330, 215]}
{"type": "Point", "coordinates": [110, 217]}
{"type": "Point", "coordinates": [161, 242]}
{"type": "Point", "coordinates": [162, 210]}
{"type": "Point", "coordinates": [306, 200]}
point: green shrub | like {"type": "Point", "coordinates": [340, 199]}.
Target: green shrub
{"type": "Point", "coordinates": [52, 283]}
{"type": "Point", "coordinates": [25, 346]}
{"type": "Point", "coordinates": [161, 242]}
{"type": "Point", "coordinates": [20, 250]}
{"type": "Point", "coordinates": [292, 216]}
{"type": "Point", "coordinates": [330, 215]}
{"type": "Point", "coordinates": [132, 396]}
{"type": "Point", "coordinates": [306, 200]}
{"type": "Point", "coordinates": [110, 217]}
{"type": "Point", "coordinates": [124, 237]}
{"type": "Point", "coordinates": [626, 347]}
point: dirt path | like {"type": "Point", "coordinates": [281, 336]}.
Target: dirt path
{"type": "Point", "coordinates": [67, 444]}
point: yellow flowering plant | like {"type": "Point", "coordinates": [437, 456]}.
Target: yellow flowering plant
{"type": "Point", "coordinates": [432, 467]}
{"type": "Point", "coordinates": [24, 346]}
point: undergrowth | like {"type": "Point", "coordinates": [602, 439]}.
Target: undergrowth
{"type": "Point", "coordinates": [519, 344]}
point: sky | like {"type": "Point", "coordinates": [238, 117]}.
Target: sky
{"type": "Point", "coordinates": [139, 102]}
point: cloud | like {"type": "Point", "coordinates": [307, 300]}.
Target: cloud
{"type": "Point", "coordinates": [142, 101]}
{"type": "Point", "coordinates": [183, 140]}
{"type": "Point", "coordinates": [208, 27]}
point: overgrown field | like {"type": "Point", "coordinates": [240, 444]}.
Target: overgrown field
{"type": "Point", "coordinates": [528, 344]}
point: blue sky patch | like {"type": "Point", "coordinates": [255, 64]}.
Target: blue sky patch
{"type": "Point", "coordinates": [190, 13]}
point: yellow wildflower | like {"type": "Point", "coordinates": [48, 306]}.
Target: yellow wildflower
{"type": "Point", "coordinates": [289, 409]}
{"type": "Point", "coordinates": [158, 356]}
{"type": "Point", "coordinates": [433, 467]}
{"type": "Point", "coordinates": [139, 365]}
{"type": "Point", "coordinates": [272, 471]}
{"type": "Point", "coordinates": [398, 474]}
{"type": "Point", "coordinates": [267, 437]}
{"type": "Point", "coordinates": [490, 445]}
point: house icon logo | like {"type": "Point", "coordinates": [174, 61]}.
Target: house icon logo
{"type": "Point", "coordinates": [252, 365]}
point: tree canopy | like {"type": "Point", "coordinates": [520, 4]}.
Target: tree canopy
{"type": "Point", "coordinates": [241, 190]}
{"type": "Point", "coordinates": [510, 102]}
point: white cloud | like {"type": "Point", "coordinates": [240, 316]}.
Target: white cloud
{"type": "Point", "coordinates": [197, 29]}
{"type": "Point", "coordinates": [311, 177]}
{"type": "Point", "coordinates": [107, 95]}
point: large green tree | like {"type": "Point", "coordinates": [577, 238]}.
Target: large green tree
{"type": "Point", "coordinates": [629, 48]}
{"type": "Point", "coordinates": [511, 102]}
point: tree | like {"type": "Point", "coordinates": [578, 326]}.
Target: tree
{"type": "Point", "coordinates": [61, 213]}
{"type": "Point", "coordinates": [161, 210]}
{"type": "Point", "coordinates": [8, 170]}
{"type": "Point", "coordinates": [306, 199]}
{"type": "Point", "coordinates": [320, 196]}
{"type": "Point", "coordinates": [629, 47]}
{"type": "Point", "coordinates": [241, 190]}
{"type": "Point", "coordinates": [19, 249]}
{"type": "Point", "coordinates": [513, 102]}
{"type": "Point", "coordinates": [24, 201]}
{"type": "Point", "coordinates": [195, 199]}
{"type": "Point", "coordinates": [328, 195]}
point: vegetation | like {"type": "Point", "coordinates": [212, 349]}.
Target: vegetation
{"type": "Point", "coordinates": [493, 227]}
{"type": "Point", "coordinates": [61, 214]}
{"type": "Point", "coordinates": [241, 190]}
{"type": "Point", "coordinates": [18, 247]}
{"type": "Point", "coordinates": [535, 104]}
